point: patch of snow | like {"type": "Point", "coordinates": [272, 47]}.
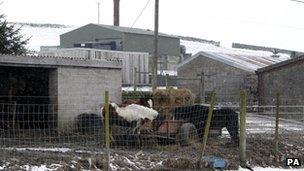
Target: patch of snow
{"type": "Point", "coordinates": [40, 168]}
{"type": "Point", "coordinates": [266, 124]}
{"type": "Point", "coordinates": [195, 47]}
{"type": "Point", "coordinates": [145, 88]}
{"type": "Point", "coordinates": [43, 36]}
{"type": "Point", "coordinates": [63, 150]}
{"type": "Point", "coordinates": [169, 72]}
{"type": "Point", "coordinates": [131, 88]}
{"type": "Point", "coordinates": [90, 152]}
{"type": "Point", "coordinates": [114, 166]}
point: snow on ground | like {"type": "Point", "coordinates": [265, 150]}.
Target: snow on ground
{"type": "Point", "coordinates": [257, 124]}
{"type": "Point", "coordinates": [43, 35]}
{"type": "Point", "coordinates": [266, 124]}
{"type": "Point", "coordinates": [169, 72]}
{"type": "Point", "coordinates": [195, 47]}
{"type": "Point", "coordinates": [145, 88]}
{"type": "Point", "coordinates": [62, 150]}
{"type": "Point", "coordinates": [28, 167]}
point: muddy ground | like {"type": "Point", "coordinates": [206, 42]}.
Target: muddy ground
{"type": "Point", "coordinates": [260, 152]}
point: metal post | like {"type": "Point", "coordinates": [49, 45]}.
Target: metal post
{"type": "Point", "coordinates": [135, 78]}
{"type": "Point", "coordinates": [167, 78]}
{"type": "Point", "coordinates": [98, 12]}
{"type": "Point", "coordinates": [242, 142]}
{"type": "Point", "coordinates": [207, 126]}
{"type": "Point", "coordinates": [276, 136]}
{"type": "Point", "coordinates": [155, 58]}
{"type": "Point", "coordinates": [116, 12]}
{"type": "Point", "coordinates": [203, 87]}
{"type": "Point", "coordinates": [107, 129]}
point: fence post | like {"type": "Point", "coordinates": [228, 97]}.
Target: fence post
{"type": "Point", "coordinates": [202, 93]}
{"type": "Point", "coordinates": [242, 142]}
{"type": "Point", "coordinates": [207, 126]}
{"type": "Point", "coordinates": [276, 136]}
{"type": "Point", "coordinates": [107, 129]}
{"type": "Point", "coordinates": [167, 78]}
{"type": "Point", "coordinates": [135, 78]}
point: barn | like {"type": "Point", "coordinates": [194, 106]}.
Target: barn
{"type": "Point", "coordinates": [225, 71]}
{"type": "Point", "coordinates": [50, 92]}
{"type": "Point", "coordinates": [285, 78]}
{"type": "Point", "coordinates": [108, 37]}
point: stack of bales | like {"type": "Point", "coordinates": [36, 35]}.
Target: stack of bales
{"type": "Point", "coordinates": [165, 100]}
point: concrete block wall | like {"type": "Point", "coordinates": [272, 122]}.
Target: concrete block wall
{"type": "Point", "coordinates": [287, 80]}
{"type": "Point", "coordinates": [225, 80]}
{"type": "Point", "coordinates": [81, 90]}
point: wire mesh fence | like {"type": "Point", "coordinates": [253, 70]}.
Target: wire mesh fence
{"type": "Point", "coordinates": [150, 131]}
{"type": "Point", "coordinates": [39, 125]}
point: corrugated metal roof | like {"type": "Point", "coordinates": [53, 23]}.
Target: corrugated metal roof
{"type": "Point", "coordinates": [248, 60]}
{"type": "Point", "coordinates": [133, 30]}
{"type": "Point", "coordinates": [281, 64]}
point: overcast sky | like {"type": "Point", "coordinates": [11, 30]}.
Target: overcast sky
{"type": "Point", "coordinates": [275, 23]}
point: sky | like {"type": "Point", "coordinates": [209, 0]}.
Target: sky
{"type": "Point", "coordinates": [272, 23]}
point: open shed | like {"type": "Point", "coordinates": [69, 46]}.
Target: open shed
{"type": "Point", "coordinates": [50, 92]}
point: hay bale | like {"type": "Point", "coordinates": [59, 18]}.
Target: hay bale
{"type": "Point", "coordinates": [165, 100]}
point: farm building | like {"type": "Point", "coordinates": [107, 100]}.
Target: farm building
{"type": "Point", "coordinates": [224, 70]}
{"type": "Point", "coordinates": [285, 78]}
{"type": "Point", "coordinates": [53, 91]}
{"type": "Point", "coordinates": [119, 38]}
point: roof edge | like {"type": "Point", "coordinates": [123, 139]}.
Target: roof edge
{"type": "Point", "coordinates": [55, 61]}
{"type": "Point", "coordinates": [207, 55]}
{"type": "Point", "coordinates": [280, 64]}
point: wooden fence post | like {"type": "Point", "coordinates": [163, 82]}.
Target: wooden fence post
{"type": "Point", "coordinates": [276, 136]}
{"type": "Point", "coordinates": [107, 129]}
{"type": "Point", "coordinates": [242, 142]}
{"type": "Point", "coordinates": [207, 126]}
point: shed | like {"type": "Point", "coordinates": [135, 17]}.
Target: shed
{"type": "Point", "coordinates": [50, 92]}
{"type": "Point", "coordinates": [226, 71]}
{"type": "Point", "coordinates": [286, 78]}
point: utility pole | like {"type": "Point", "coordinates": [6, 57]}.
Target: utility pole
{"type": "Point", "coordinates": [155, 58]}
{"type": "Point", "coordinates": [116, 12]}
{"type": "Point", "coordinates": [98, 11]}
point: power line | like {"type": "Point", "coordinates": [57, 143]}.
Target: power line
{"type": "Point", "coordinates": [141, 12]}
{"type": "Point", "coordinates": [297, 1]}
